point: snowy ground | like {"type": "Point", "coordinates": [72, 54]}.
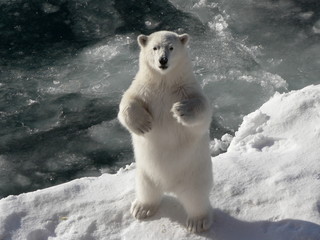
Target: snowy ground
{"type": "Point", "coordinates": [267, 187]}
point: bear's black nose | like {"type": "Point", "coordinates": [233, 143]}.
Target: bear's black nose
{"type": "Point", "coordinates": [163, 60]}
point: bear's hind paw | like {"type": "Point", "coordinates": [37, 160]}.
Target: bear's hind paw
{"type": "Point", "coordinates": [197, 225]}
{"type": "Point", "coordinates": [141, 211]}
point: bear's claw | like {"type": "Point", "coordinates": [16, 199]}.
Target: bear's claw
{"type": "Point", "coordinates": [141, 211]}
{"type": "Point", "coordinates": [197, 225]}
{"type": "Point", "coordinates": [183, 111]}
{"type": "Point", "coordinates": [142, 129]}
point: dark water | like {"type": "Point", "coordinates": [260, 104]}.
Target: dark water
{"type": "Point", "coordinates": [64, 65]}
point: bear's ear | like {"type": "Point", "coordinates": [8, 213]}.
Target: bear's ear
{"type": "Point", "coordinates": [142, 40]}
{"type": "Point", "coordinates": [184, 38]}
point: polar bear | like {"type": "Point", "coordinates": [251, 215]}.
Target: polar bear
{"type": "Point", "coordinates": [168, 117]}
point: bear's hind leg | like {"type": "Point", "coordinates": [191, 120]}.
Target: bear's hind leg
{"type": "Point", "coordinates": [148, 197]}
{"type": "Point", "coordinates": [198, 208]}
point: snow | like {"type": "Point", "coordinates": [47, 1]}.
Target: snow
{"type": "Point", "coordinates": [266, 187]}
{"type": "Point", "coordinates": [219, 146]}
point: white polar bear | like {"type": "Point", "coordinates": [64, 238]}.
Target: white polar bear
{"type": "Point", "coordinates": [168, 117]}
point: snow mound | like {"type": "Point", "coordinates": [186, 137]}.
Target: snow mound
{"type": "Point", "coordinates": [219, 146]}
{"type": "Point", "coordinates": [289, 120]}
{"type": "Point", "coordinates": [267, 186]}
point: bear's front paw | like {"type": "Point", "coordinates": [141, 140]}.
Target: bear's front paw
{"type": "Point", "coordinates": [137, 119]}
{"type": "Point", "coordinates": [184, 111]}
{"type": "Point", "coordinates": [141, 211]}
{"type": "Point", "coordinates": [199, 224]}
{"type": "Point", "coordinates": [141, 125]}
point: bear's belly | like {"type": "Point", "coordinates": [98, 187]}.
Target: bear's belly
{"type": "Point", "coordinates": [170, 162]}
{"type": "Point", "coordinates": [168, 133]}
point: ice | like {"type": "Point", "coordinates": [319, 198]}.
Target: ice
{"type": "Point", "coordinates": [316, 27]}
{"type": "Point", "coordinates": [110, 134]}
{"type": "Point", "coordinates": [257, 195]}
{"type": "Point", "coordinates": [95, 70]}
{"type": "Point", "coordinates": [306, 15]}
{"type": "Point", "coordinates": [50, 8]}
{"type": "Point", "coordinates": [284, 30]}
{"type": "Point", "coordinates": [6, 169]}
{"type": "Point", "coordinates": [22, 180]}
{"type": "Point", "coordinates": [218, 24]}
{"type": "Point", "coordinates": [90, 22]}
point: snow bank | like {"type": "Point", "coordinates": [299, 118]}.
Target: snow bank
{"type": "Point", "coordinates": [267, 186]}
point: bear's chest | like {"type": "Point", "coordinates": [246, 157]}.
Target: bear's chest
{"type": "Point", "coordinates": [160, 104]}
{"type": "Point", "coordinates": [160, 108]}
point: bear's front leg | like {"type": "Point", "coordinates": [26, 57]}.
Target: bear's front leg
{"type": "Point", "coordinates": [148, 197]}
{"type": "Point", "coordinates": [135, 117]}
{"type": "Point", "coordinates": [191, 111]}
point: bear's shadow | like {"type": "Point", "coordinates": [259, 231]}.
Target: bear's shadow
{"type": "Point", "coordinates": [226, 227]}
{"type": "Point", "coordinates": [171, 208]}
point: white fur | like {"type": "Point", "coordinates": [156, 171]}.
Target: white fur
{"type": "Point", "coordinates": [169, 117]}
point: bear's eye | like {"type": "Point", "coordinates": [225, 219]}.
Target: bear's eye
{"type": "Point", "coordinates": [155, 48]}
{"type": "Point", "coordinates": [171, 48]}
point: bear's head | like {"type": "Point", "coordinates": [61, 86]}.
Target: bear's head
{"type": "Point", "coordinates": [163, 50]}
